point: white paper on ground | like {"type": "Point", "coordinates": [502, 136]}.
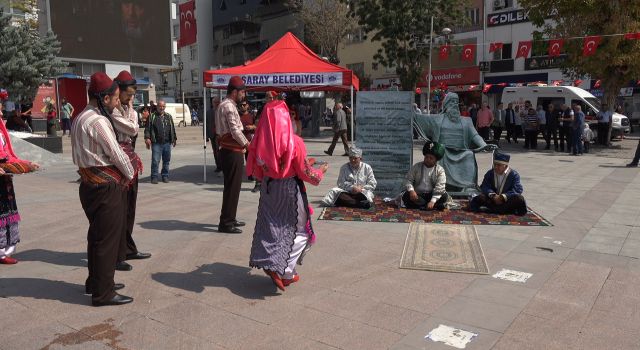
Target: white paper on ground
{"type": "Point", "coordinates": [457, 338]}
{"type": "Point", "coordinates": [512, 275]}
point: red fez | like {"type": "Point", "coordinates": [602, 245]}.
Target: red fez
{"type": "Point", "coordinates": [236, 83]}
{"type": "Point", "coordinates": [101, 84]}
{"type": "Point", "coordinates": [125, 78]}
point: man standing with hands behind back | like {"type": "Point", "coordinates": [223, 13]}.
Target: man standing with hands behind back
{"type": "Point", "coordinates": [160, 135]}
{"type": "Point", "coordinates": [233, 144]}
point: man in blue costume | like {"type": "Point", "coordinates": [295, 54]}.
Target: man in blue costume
{"type": "Point", "coordinates": [501, 190]}
{"type": "Point", "coordinates": [461, 141]}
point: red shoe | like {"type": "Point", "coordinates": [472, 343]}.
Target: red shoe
{"type": "Point", "coordinates": [275, 278]}
{"type": "Point", "coordinates": [7, 260]}
{"type": "Point", "coordinates": [286, 282]}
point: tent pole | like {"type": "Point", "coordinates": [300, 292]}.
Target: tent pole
{"type": "Point", "coordinates": [353, 116]}
{"type": "Point", "coordinates": [204, 133]}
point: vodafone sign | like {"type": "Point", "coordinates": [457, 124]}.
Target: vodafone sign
{"type": "Point", "coordinates": [455, 76]}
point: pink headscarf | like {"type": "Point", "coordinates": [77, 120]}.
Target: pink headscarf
{"type": "Point", "coordinates": [272, 149]}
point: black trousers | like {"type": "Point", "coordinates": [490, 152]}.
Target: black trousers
{"type": "Point", "coordinates": [514, 205]}
{"type": "Point", "coordinates": [497, 132]}
{"type": "Point", "coordinates": [216, 151]}
{"type": "Point", "coordinates": [566, 133]}
{"type": "Point", "coordinates": [636, 157]}
{"type": "Point", "coordinates": [341, 134]}
{"type": "Point", "coordinates": [231, 163]}
{"type": "Point", "coordinates": [531, 139]}
{"type": "Point", "coordinates": [351, 200]}
{"type": "Point", "coordinates": [551, 132]}
{"type": "Point", "coordinates": [512, 133]}
{"type": "Point", "coordinates": [484, 132]}
{"type": "Point", "coordinates": [127, 244]}
{"type": "Point", "coordinates": [423, 200]}
{"type": "Point", "coordinates": [603, 134]}
{"type": "Point", "coordinates": [105, 207]}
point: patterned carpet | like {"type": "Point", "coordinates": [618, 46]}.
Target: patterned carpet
{"type": "Point", "coordinates": [387, 212]}
{"type": "Point", "coordinates": [449, 248]}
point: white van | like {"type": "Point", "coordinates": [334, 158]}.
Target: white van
{"type": "Point", "coordinates": [558, 95]}
{"type": "Point", "coordinates": [175, 109]}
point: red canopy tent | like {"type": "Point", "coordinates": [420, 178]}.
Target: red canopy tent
{"type": "Point", "coordinates": [287, 65]}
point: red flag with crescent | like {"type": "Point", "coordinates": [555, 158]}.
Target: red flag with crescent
{"type": "Point", "coordinates": [632, 36]}
{"type": "Point", "coordinates": [590, 45]}
{"type": "Point", "coordinates": [577, 82]}
{"type": "Point", "coordinates": [472, 87]}
{"type": "Point", "coordinates": [495, 47]}
{"type": "Point", "coordinates": [555, 47]}
{"type": "Point", "coordinates": [524, 47]}
{"type": "Point", "coordinates": [468, 52]}
{"type": "Point", "coordinates": [597, 84]}
{"type": "Point", "coordinates": [486, 88]}
{"type": "Point", "coordinates": [188, 29]}
{"type": "Point", "coordinates": [444, 51]}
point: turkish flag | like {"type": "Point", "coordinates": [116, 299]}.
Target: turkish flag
{"type": "Point", "coordinates": [468, 52]}
{"type": "Point", "coordinates": [444, 51]}
{"type": "Point", "coordinates": [577, 82]}
{"type": "Point", "coordinates": [188, 28]}
{"type": "Point", "coordinates": [472, 87]}
{"type": "Point", "coordinates": [597, 84]}
{"type": "Point", "coordinates": [486, 88]}
{"type": "Point", "coordinates": [495, 47]}
{"type": "Point", "coordinates": [524, 47]}
{"type": "Point", "coordinates": [590, 45]}
{"type": "Point", "coordinates": [556, 83]}
{"type": "Point", "coordinates": [555, 47]}
{"type": "Point", "coordinates": [632, 36]}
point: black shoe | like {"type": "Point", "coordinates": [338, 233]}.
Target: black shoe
{"type": "Point", "coordinates": [165, 179]}
{"type": "Point", "coordinates": [123, 266]}
{"type": "Point", "coordinates": [138, 256]}
{"type": "Point", "coordinates": [328, 153]}
{"type": "Point", "coordinates": [256, 188]}
{"type": "Point", "coordinates": [116, 286]}
{"type": "Point", "coordinates": [231, 229]}
{"type": "Point", "coordinates": [365, 204]}
{"type": "Point", "coordinates": [116, 300]}
{"type": "Point", "coordinates": [632, 165]}
{"type": "Point", "coordinates": [238, 223]}
{"type": "Point", "coordinates": [154, 181]}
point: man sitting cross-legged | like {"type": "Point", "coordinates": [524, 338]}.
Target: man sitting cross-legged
{"type": "Point", "coordinates": [425, 183]}
{"type": "Point", "coordinates": [501, 190]}
{"type": "Point", "coordinates": [355, 184]}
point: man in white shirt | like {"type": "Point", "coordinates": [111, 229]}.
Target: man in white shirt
{"type": "Point", "coordinates": [604, 125]}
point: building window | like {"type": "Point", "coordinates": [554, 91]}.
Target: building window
{"type": "Point", "coordinates": [226, 33]}
{"type": "Point", "coordinates": [504, 53]}
{"type": "Point", "coordinates": [193, 50]}
{"type": "Point", "coordinates": [89, 68]}
{"type": "Point", "coordinates": [357, 36]}
{"type": "Point", "coordinates": [474, 16]}
{"type": "Point", "coordinates": [226, 50]}
{"type": "Point", "coordinates": [138, 72]}
{"type": "Point", "coordinates": [502, 4]}
{"type": "Point", "coordinates": [195, 76]}
{"type": "Point", "coordinates": [357, 68]}
{"type": "Point", "coordinates": [176, 31]}
{"type": "Point", "coordinates": [223, 5]}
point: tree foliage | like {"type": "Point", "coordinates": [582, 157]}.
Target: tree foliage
{"type": "Point", "coordinates": [616, 60]}
{"type": "Point", "coordinates": [326, 23]}
{"type": "Point", "coordinates": [26, 59]}
{"type": "Point", "coordinates": [403, 27]}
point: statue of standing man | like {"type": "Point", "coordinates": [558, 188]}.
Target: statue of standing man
{"type": "Point", "coordinates": [461, 141]}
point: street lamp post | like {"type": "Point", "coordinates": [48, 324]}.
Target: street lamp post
{"type": "Point", "coordinates": [445, 32]}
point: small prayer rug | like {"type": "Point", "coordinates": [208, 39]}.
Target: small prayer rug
{"type": "Point", "coordinates": [388, 212]}
{"type": "Point", "coordinates": [448, 248]}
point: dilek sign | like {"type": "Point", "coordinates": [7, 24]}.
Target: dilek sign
{"type": "Point", "coordinates": [281, 79]}
{"type": "Point", "coordinates": [506, 18]}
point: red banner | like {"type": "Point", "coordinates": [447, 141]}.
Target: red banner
{"type": "Point", "coordinates": [455, 76]}
{"type": "Point", "coordinates": [555, 47]}
{"type": "Point", "coordinates": [495, 47]}
{"type": "Point", "coordinates": [444, 51]}
{"type": "Point", "coordinates": [524, 47]}
{"type": "Point", "coordinates": [45, 96]}
{"type": "Point", "coordinates": [590, 45]}
{"type": "Point", "coordinates": [468, 52]}
{"type": "Point", "coordinates": [188, 28]}
{"type": "Point", "coordinates": [632, 36]}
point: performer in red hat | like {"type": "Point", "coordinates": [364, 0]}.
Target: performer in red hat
{"type": "Point", "coordinates": [106, 173]}
{"type": "Point", "coordinates": [125, 119]}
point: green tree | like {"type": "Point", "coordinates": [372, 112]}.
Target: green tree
{"type": "Point", "coordinates": [403, 28]}
{"type": "Point", "coordinates": [326, 23]}
{"type": "Point", "coordinates": [26, 59]}
{"type": "Point", "coordinates": [616, 60]}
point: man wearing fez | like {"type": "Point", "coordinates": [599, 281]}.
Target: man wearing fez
{"type": "Point", "coordinates": [501, 190]}
{"type": "Point", "coordinates": [125, 120]}
{"type": "Point", "coordinates": [233, 144]}
{"type": "Point", "coordinates": [106, 174]}
{"type": "Point", "coordinates": [425, 183]}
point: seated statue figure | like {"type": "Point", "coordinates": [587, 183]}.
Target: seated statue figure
{"type": "Point", "coordinates": [356, 184]}
{"type": "Point", "coordinates": [460, 140]}
{"type": "Point", "coordinates": [501, 190]}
